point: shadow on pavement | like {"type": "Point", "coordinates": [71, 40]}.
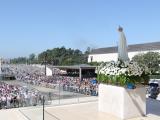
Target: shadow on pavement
{"type": "Point", "coordinates": [153, 106]}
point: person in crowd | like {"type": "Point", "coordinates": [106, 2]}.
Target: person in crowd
{"type": "Point", "coordinates": [19, 96]}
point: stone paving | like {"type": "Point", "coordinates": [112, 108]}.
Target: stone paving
{"type": "Point", "coordinates": [81, 111]}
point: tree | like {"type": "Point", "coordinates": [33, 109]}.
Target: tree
{"type": "Point", "coordinates": [88, 51]}
{"type": "Point", "coordinates": [63, 56]}
{"type": "Point", "coordinates": [32, 58]}
{"type": "Point", "coordinates": [19, 60]}
{"type": "Point", "coordinates": [150, 60]}
{"type": "Point", "coordinates": [58, 56]}
{"type": "Point", "coordinates": [86, 54]}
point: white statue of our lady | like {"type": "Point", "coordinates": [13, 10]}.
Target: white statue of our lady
{"type": "Point", "coordinates": [122, 46]}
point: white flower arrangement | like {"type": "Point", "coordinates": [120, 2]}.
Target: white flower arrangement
{"type": "Point", "coordinates": [121, 72]}
{"type": "Point", "coordinates": [119, 68]}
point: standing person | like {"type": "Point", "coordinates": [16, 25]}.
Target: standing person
{"type": "Point", "coordinates": [96, 89]}
{"type": "Point", "coordinates": [50, 96]}
{"type": "Point", "coordinates": [18, 100]}
{"type": "Point", "coordinates": [15, 101]}
{"type": "Point", "coordinates": [8, 101]}
{"type": "Point", "coordinates": [21, 100]}
{"type": "Point", "coordinates": [3, 101]}
{"type": "Point", "coordinates": [26, 99]}
{"type": "Point", "coordinates": [0, 102]}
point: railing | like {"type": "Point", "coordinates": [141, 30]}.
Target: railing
{"type": "Point", "coordinates": [60, 96]}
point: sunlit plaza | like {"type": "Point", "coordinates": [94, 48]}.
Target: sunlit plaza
{"type": "Point", "coordinates": [79, 60]}
{"type": "Point", "coordinates": [34, 91]}
{"type": "Point", "coordinates": [80, 111]}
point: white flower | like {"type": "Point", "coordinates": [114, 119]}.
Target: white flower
{"type": "Point", "coordinates": [119, 68]}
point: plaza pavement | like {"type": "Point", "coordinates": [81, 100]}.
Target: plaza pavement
{"type": "Point", "coordinates": [81, 111]}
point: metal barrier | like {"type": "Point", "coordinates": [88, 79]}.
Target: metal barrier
{"type": "Point", "coordinates": [60, 95]}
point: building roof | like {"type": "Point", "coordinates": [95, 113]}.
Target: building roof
{"type": "Point", "coordinates": [82, 66]}
{"type": "Point", "coordinates": [131, 48]}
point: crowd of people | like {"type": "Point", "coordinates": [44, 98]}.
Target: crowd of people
{"type": "Point", "coordinates": [12, 96]}
{"type": "Point", "coordinates": [86, 86]}
{"type": "Point", "coordinates": [35, 75]}
{"type": "Point", "coordinates": [16, 96]}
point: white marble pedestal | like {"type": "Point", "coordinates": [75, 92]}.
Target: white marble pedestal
{"type": "Point", "coordinates": [121, 102]}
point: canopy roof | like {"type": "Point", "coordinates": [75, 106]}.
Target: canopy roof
{"type": "Point", "coordinates": [82, 66]}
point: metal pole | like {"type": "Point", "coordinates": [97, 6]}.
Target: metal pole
{"type": "Point", "coordinates": [45, 61]}
{"type": "Point", "coordinates": [80, 73]}
{"type": "Point", "coordinates": [80, 78]}
{"type": "Point", "coordinates": [45, 68]}
{"type": "Point", "coordinates": [43, 107]}
{"type": "Point", "coordinates": [78, 96]}
{"type": "Point", "coordinates": [59, 94]}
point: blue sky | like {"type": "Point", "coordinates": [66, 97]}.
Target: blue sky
{"type": "Point", "coordinates": [31, 26]}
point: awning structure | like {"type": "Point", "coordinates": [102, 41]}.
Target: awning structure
{"type": "Point", "coordinates": [82, 66]}
{"type": "Point", "coordinates": [82, 69]}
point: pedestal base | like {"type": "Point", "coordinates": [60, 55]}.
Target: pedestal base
{"type": "Point", "coordinates": [121, 102]}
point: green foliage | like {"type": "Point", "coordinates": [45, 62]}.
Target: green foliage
{"type": "Point", "coordinates": [123, 80]}
{"type": "Point", "coordinates": [111, 79]}
{"type": "Point", "coordinates": [95, 63]}
{"type": "Point", "coordinates": [32, 57]}
{"type": "Point", "coordinates": [63, 56]}
{"type": "Point", "coordinates": [103, 78]}
{"type": "Point", "coordinates": [24, 60]}
{"type": "Point", "coordinates": [56, 56]}
{"type": "Point", "coordinates": [151, 60]}
{"type": "Point", "coordinates": [19, 60]}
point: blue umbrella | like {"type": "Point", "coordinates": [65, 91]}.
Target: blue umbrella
{"type": "Point", "coordinates": [94, 81]}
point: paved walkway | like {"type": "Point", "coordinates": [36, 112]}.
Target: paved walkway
{"type": "Point", "coordinates": [82, 111]}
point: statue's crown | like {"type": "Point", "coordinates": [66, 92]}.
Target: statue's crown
{"type": "Point", "coordinates": [120, 29]}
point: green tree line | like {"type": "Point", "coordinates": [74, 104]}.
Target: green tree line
{"type": "Point", "coordinates": [55, 56]}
